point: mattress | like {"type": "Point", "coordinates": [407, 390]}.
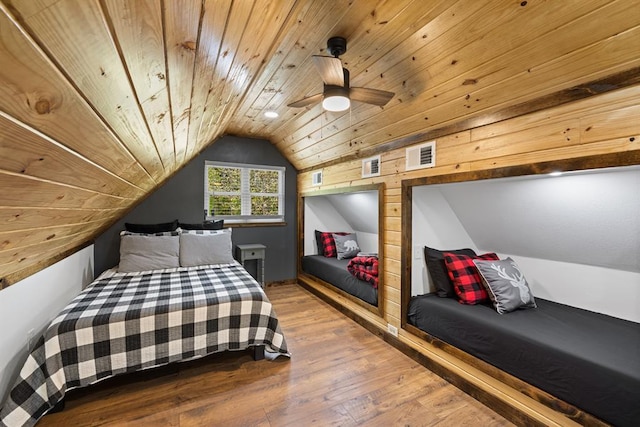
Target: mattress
{"type": "Point", "coordinates": [584, 358]}
{"type": "Point", "coordinates": [125, 322]}
{"type": "Point", "coordinates": [334, 271]}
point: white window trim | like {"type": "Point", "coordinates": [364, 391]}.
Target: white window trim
{"type": "Point", "coordinates": [244, 192]}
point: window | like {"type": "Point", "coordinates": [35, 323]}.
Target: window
{"type": "Point", "coordinates": [243, 193]}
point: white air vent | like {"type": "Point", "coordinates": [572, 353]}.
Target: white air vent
{"type": "Point", "coordinates": [371, 167]}
{"type": "Point", "coordinates": [316, 178]}
{"type": "Point", "coordinates": [421, 156]}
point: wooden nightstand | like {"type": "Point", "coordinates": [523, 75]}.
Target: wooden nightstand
{"type": "Point", "coordinates": [253, 251]}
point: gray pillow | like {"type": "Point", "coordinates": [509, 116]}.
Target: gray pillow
{"type": "Point", "coordinates": [506, 285]}
{"type": "Point", "coordinates": [346, 246]}
{"type": "Point", "coordinates": [204, 249]}
{"type": "Point", "coordinates": [143, 253]}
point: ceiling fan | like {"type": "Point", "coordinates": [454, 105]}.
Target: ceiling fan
{"type": "Point", "coordinates": [337, 94]}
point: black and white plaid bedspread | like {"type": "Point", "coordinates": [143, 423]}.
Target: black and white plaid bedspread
{"type": "Point", "coordinates": [136, 321]}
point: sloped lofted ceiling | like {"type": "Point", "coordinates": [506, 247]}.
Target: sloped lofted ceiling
{"type": "Point", "coordinates": [103, 100]}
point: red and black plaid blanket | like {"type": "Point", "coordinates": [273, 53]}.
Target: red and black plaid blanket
{"type": "Point", "coordinates": [365, 268]}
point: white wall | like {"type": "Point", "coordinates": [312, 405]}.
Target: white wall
{"type": "Point", "coordinates": [435, 225]}
{"type": "Point", "coordinates": [576, 237]}
{"type": "Point", "coordinates": [320, 214]}
{"type": "Point", "coordinates": [354, 212]}
{"type": "Point", "coordinates": [600, 289]}
{"type": "Point", "coordinates": [32, 303]}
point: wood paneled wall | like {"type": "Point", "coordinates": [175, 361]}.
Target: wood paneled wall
{"type": "Point", "coordinates": [603, 124]}
{"type": "Point", "coordinates": [102, 100]}
{"type": "Point", "coordinates": [577, 134]}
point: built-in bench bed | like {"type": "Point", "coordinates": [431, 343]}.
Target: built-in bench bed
{"type": "Point", "coordinates": [587, 359]}
{"type": "Point", "coordinates": [341, 242]}
{"type": "Point", "coordinates": [334, 271]}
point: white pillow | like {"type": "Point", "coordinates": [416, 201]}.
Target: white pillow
{"type": "Point", "coordinates": [143, 253]}
{"type": "Point", "coordinates": [204, 249]}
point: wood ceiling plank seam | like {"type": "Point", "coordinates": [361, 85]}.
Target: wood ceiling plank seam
{"type": "Point", "coordinates": [413, 21]}
{"type": "Point", "coordinates": [550, 135]}
{"type": "Point", "coordinates": [177, 153]}
{"type": "Point", "coordinates": [220, 72]}
{"type": "Point", "coordinates": [608, 102]}
{"type": "Point", "coordinates": [64, 149]}
{"type": "Point", "coordinates": [536, 42]}
{"type": "Point", "coordinates": [261, 68]}
{"type": "Point", "coordinates": [308, 86]}
{"type": "Point", "coordinates": [222, 82]}
{"type": "Point", "coordinates": [610, 124]}
{"type": "Point", "coordinates": [45, 193]}
{"type": "Point", "coordinates": [213, 23]}
{"type": "Point", "coordinates": [531, 43]}
{"type": "Point", "coordinates": [448, 60]}
{"type": "Point", "coordinates": [7, 257]}
{"type": "Point", "coordinates": [463, 17]}
{"type": "Point", "coordinates": [358, 44]}
{"type": "Point", "coordinates": [180, 45]}
{"type": "Point", "coordinates": [62, 184]}
{"type": "Point", "coordinates": [19, 239]}
{"type": "Point", "coordinates": [290, 40]}
{"type": "Point", "coordinates": [530, 121]}
{"type": "Point", "coordinates": [99, 76]}
{"type": "Point", "coordinates": [446, 36]}
{"type": "Point", "coordinates": [48, 248]}
{"type": "Point", "coordinates": [11, 275]}
{"type": "Point", "coordinates": [83, 101]}
{"type": "Point", "coordinates": [150, 92]}
{"type": "Point", "coordinates": [503, 105]}
{"type": "Point", "coordinates": [305, 65]}
{"type": "Point", "coordinates": [246, 73]}
{"type": "Point", "coordinates": [622, 80]}
{"type": "Point", "coordinates": [631, 66]}
{"type": "Point", "coordinates": [29, 218]}
{"type": "Point", "coordinates": [621, 146]}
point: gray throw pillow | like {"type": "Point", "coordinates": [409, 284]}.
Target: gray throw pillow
{"type": "Point", "coordinates": [346, 246]}
{"type": "Point", "coordinates": [506, 285]}
{"type": "Point", "coordinates": [204, 249]}
{"type": "Point", "coordinates": [143, 253]}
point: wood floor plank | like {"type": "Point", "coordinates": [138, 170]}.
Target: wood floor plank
{"type": "Point", "coordinates": [339, 374]}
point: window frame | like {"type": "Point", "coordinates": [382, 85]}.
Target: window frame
{"type": "Point", "coordinates": [245, 193]}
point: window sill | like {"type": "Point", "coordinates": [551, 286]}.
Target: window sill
{"type": "Point", "coordinates": [253, 224]}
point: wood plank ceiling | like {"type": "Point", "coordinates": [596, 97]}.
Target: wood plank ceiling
{"type": "Point", "coordinates": [102, 100]}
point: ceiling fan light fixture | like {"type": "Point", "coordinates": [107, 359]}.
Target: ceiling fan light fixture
{"type": "Point", "coordinates": [336, 99]}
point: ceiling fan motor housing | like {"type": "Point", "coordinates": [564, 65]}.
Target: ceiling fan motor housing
{"type": "Point", "coordinates": [337, 46]}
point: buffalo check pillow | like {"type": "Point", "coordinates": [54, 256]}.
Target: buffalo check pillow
{"type": "Point", "coordinates": [467, 282]}
{"type": "Point", "coordinates": [329, 249]}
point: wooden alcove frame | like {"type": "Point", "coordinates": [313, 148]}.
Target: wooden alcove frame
{"type": "Point", "coordinates": [584, 163]}
{"type": "Point", "coordinates": [307, 280]}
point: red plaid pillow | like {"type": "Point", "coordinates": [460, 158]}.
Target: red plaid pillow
{"type": "Point", "coordinates": [465, 277]}
{"type": "Point", "coordinates": [328, 244]}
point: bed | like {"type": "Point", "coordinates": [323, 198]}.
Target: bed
{"type": "Point", "coordinates": [584, 358]}
{"type": "Point", "coordinates": [125, 322]}
{"type": "Point", "coordinates": [334, 271]}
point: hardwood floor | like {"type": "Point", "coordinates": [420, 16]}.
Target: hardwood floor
{"type": "Point", "coordinates": [339, 374]}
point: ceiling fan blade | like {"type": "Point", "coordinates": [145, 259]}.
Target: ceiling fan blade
{"type": "Point", "coordinates": [330, 70]}
{"type": "Point", "coordinates": [370, 96]}
{"type": "Point", "coordinates": [306, 101]}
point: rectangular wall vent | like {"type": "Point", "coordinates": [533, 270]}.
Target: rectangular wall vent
{"type": "Point", "coordinates": [316, 178]}
{"type": "Point", "coordinates": [371, 167]}
{"type": "Point", "coordinates": [421, 156]}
